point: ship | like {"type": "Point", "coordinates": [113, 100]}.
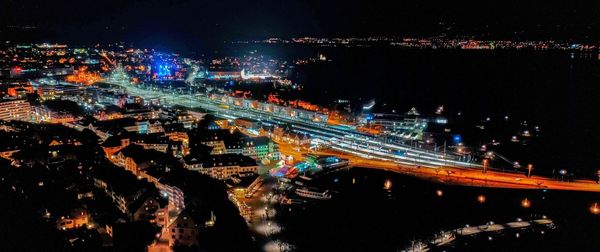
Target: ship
{"type": "Point", "coordinates": [307, 193]}
{"type": "Point", "coordinates": [369, 105]}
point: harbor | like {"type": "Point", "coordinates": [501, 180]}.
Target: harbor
{"type": "Point", "coordinates": [362, 202]}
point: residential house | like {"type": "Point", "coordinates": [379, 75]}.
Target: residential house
{"type": "Point", "coordinates": [222, 166]}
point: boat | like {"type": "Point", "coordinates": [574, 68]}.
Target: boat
{"type": "Point", "coordinates": [307, 193]}
{"type": "Point", "coordinates": [305, 177]}
{"type": "Point", "coordinates": [287, 201]}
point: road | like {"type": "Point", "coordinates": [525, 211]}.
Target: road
{"type": "Point", "coordinates": [452, 175]}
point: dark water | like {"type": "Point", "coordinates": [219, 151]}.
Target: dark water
{"type": "Point", "coordinates": [555, 90]}
{"type": "Point", "coordinates": [363, 216]}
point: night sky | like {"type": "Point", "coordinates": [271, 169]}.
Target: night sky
{"type": "Point", "coordinates": [183, 23]}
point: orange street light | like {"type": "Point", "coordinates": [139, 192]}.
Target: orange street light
{"type": "Point", "coordinates": [525, 203]}
{"type": "Point", "coordinates": [485, 164]}
{"type": "Point", "coordinates": [439, 193]}
{"type": "Point", "coordinates": [387, 185]}
{"type": "Point", "coordinates": [595, 209]}
{"type": "Point", "coordinates": [529, 168]}
{"type": "Point", "coordinates": [481, 198]}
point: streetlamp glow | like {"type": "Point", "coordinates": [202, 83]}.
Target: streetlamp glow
{"type": "Point", "coordinates": [525, 203]}
{"type": "Point", "coordinates": [439, 193]}
{"type": "Point", "coordinates": [595, 209]}
{"type": "Point", "coordinates": [387, 185]}
{"type": "Point", "coordinates": [485, 164]}
{"type": "Point", "coordinates": [481, 198]}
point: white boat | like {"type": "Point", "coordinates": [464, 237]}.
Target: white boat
{"type": "Point", "coordinates": [305, 192]}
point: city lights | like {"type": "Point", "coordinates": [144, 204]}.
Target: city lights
{"type": "Point", "coordinates": [300, 126]}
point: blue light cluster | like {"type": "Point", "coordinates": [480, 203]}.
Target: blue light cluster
{"type": "Point", "coordinates": [457, 139]}
{"type": "Point", "coordinates": [164, 69]}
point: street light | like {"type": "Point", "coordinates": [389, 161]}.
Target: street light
{"type": "Point", "coordinates": [595, 209]}
{"type": "Point", "coordinates": [481, 198]}
{"type": "Point", "coordinates": [525, 203]}
{"type": "Point", "coordinates": [562, 172]}
{"type": "Point", "coordinates": [485, 164]}
{"type": "Point", "coordinates": [529, 168]}
{"type": "Point", "coordinates": [439, 193]}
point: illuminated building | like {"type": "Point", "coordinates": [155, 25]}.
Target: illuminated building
{"type": "Point", "coordinates": [135, 158]}
{"type": "Point", "coordinates": [51, 92]}
{"type": "Point", "coordinates": [158, 176]}
{"type": "Point", "coordinates": [19, 91]}
{"type": "Point", "coordinates": [317, 116]}
{"type": "Point", "coordinates": [252, 76]}
{"type": "Point", "coordinates": [144, 163]}
{"type": "Point", "coordinates": [296, 138]}
{"type": "Point", "coordinates": [223, 75]}
{"type": "Point", "coordinates": [183, 231]}
{"type": "Point", "coordinates": [15, 110]}
{"type": "Point", "coordinates": [44, 114]}
{"type": "Point", "coordinates": [76, 218]}
{"type": "Point", "coordinates": [257, 148]}
{"type": "Point", "coordinates": [83, 76]}
{"type": "Point", "coordinates": [112, 144]}
{"type": "Point", "coordinates": [46, 49]}
{"type": "Point", "coordinates": [260, 148]}
{"type": "Point", "coordinates": [222, 166]}
{"type": "Point", "coordinates": [146, 127]}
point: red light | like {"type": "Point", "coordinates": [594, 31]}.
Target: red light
{"type": "Point", "coordinates": [17, 69]}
